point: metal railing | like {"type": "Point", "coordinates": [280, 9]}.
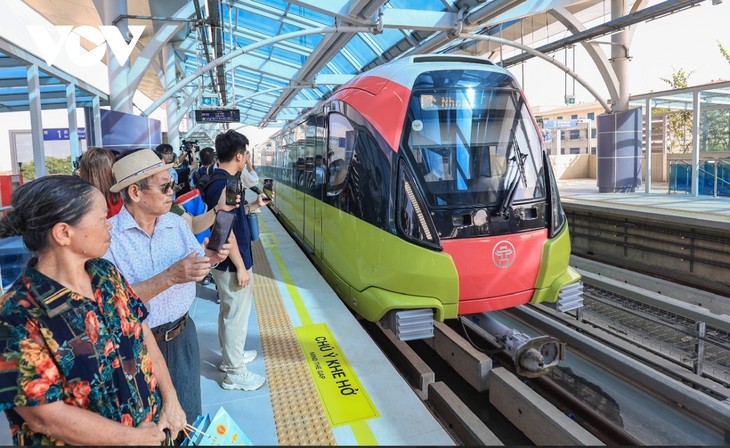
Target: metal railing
{"type": "Point", "coordinates": [684, 334]}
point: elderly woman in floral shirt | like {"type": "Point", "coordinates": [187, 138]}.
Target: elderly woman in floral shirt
{"type": "Point", "coordinates": [78, 364]}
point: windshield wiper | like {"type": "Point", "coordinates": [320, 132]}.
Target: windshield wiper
{"type": "Point", "coordinates": [518, 157]}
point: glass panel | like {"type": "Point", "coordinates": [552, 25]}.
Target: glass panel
{"type": "Point", "coordinates": [388, 37]}
{"type": "Point", "coordinates": [340, 146]}
{"type": "Point", "coordinates": [427, 5]}
{"type": "Point", "coordinates": [360, 50]}
{"type": "Point", "coordinates": [258, 23]}
{"type": "Point", "coordinates": [307, 42]}
{"type": "Point", "coordinates": [343, 65]}
{"type": "Point", "coordinates": [471, 139]}
{"type": "Point", "coordinates": [289, 56]}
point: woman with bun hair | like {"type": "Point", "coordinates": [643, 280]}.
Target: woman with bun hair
{"type": "Point", "coordinates": [95, 166]}
{"type": "Point", "coordinates": [78, 364]}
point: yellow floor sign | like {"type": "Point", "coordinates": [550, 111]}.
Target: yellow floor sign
{"type": "Point", "coordinates": [344, 399]}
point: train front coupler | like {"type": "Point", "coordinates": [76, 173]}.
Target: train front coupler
{"type": "Point", "coordinates": [532, 356]}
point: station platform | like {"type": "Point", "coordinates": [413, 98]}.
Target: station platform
{"type": "Point", "coordinates": [659, 200]}
{"type": "Point", "coordinates": [327, 381]}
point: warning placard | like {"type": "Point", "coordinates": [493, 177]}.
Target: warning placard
{"type": "Point", "coordinates": [343, 397]}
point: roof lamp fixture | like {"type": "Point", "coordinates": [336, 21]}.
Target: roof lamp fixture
{"type": "Point", "coordinates": [717, 2]}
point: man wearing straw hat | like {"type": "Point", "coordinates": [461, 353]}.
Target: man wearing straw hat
{"type": "Point", "coordinates": [159, 255]}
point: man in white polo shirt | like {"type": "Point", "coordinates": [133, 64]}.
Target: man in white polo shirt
{"type": "Point", "coordinates": [159, 255]}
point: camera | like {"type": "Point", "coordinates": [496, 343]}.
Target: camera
{"type": "Point", "coordinates": [189, 146]}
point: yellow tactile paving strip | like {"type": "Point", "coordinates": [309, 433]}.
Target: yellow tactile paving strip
{"type": "Point", "coordinates": [298, 413]}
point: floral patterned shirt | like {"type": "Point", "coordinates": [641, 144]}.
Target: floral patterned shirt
{"type": "Point", "coordinates": [56, 344]}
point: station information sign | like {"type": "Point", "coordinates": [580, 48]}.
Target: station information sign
{"type": "Point", "coordinates": [217, 116]}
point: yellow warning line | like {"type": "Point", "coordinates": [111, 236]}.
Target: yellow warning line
{"type": "Point", "coordinates": [293, 291]}
{"type": "Point", "coordinates": [360, 429]}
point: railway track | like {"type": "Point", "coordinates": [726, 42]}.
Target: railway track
{"type": "Point", "coordinates": [616, 375]}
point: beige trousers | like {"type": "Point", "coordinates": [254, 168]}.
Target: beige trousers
{"type": "Point", "coordinates": [235, 310]}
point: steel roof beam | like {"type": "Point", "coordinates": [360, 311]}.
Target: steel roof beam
{"type": "Point", "coordinates": [14, 52]}
{"type": "Point", "coordinates": [274, 14]}
{"type": "Point", "coordinates": [599, 58]}
{"type": "Point", "coordinates": [288, 46]}
{"type": "Point", "coordinates": [327, 48]}
{"type": "Point", "coordinates": [23, 82]}
{"type": "Point", "coordinates": [652, 12]}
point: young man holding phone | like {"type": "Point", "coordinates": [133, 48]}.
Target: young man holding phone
{"type": "Point", "coordinates": [233, 276]}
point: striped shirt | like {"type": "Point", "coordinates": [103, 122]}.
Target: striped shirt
{"type": "Point", "coordinates": [140, 257]}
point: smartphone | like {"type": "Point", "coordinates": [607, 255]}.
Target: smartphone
{"type": "Point", "coordinates": [221, 230]}
{"type": "Point", "coordinates": [233, 189]}
{"type": "Point", "coordinates": [256, 190]}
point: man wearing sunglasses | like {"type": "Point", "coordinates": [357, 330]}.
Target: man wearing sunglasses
{"type": "Point", "coordinates": [159, 255]}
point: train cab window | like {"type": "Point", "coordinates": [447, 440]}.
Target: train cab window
{"type": "Point", "coordinates": [340, 146]}
{"type": "Point", "coordinates": [470, 140]}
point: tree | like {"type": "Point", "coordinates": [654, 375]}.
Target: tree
{"type": "Point", "coordinates": [53, 166]}
{"type": "Point", "coordinates": [723, 51]}
{"type": "Point", "coordinates": [679, 123]}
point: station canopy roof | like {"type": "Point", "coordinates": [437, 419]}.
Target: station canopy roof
{"type": "Point", "coordinates": [274, 83]}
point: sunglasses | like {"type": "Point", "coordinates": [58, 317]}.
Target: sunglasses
{"type": "Point", "coordinates": [164, 188]}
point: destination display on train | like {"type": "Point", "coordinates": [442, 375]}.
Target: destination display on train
{"type": "Point", "coordinates": [217, 116]}
{"type": "Point", "coordinates": [445, 101]}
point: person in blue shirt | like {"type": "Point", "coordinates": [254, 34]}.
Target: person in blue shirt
{"type": "Point", "coordinates": [233, 276]}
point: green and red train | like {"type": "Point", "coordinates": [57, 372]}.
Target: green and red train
{"type": "Point", "coordinates": [423, 184]}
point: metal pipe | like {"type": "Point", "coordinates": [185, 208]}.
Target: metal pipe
{"type": "Point", "coordinates": [263, 43]}
{"type": "Point", "coordinates": [163, 19]}
{"type": "Point", "coordinates": [652, 12]}
{"type": "Point", "coordinates": [534, 52]}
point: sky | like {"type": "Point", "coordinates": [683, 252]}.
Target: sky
{"type": "Point", "coordinates": [684, 40]}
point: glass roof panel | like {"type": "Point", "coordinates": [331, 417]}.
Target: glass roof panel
{"type": "Point", "coordinates": [289, 28]}
{"type": "Point", "coordinates": [342, 64]}
{"type": "Point", "coordinates": [428, 5]}
{"type": "Point", "coordinates": [360, 50]}
{"type": "Point", "coordinates": [309, 42]}
{"type": "Point", "coordinates": [388, 37]}
{"type": "Point", "coordinates": [288, 56]}
{"type": "Point", "coordinates": [309, 14]}
{"type": "Point", "coordinates": [258, 23]}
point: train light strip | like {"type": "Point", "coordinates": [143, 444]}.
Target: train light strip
{"type": "Point", "coordinates": [417, 208]}
{"type": "Point", "coordinates": [344, 399]}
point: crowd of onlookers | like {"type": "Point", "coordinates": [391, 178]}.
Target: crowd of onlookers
{"type": "Point", "coordinates": [96, 343]}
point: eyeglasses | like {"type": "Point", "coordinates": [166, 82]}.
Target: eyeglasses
{"type": "Point", "coordinates": [164, 188]}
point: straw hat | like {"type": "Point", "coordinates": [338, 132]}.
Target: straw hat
{"type": "Point", "coordinates": [135, 167]}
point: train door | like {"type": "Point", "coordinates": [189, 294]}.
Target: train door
{"type": "Point", "coordinates": [315, 186]}
{"type": "Point", "coordinates": [307, 184]}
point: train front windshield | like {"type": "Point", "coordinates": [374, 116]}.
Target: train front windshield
{"type": "Point", "coordinates": [471, 140]}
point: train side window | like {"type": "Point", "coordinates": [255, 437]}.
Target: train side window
{"type": "Point", "coordinates": [340, 146]}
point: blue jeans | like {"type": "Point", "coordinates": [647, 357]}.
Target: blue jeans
{"type": "Point", "coordinates": [253, 225]}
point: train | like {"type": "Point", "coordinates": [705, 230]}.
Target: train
{"type": "Point", "coordinates": [422, 191]}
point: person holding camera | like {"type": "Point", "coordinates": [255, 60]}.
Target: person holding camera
{"type": "Point", "coordinates": [234, 282]}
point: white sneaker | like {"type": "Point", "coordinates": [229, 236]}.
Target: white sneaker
{"type": "Point", "coordinates": [248, 356]}
{"type": "Point", "coordinates": [246, 380]}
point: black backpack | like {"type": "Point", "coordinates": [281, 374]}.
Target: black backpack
{"type": "Point", "coordinates": [205, 181]}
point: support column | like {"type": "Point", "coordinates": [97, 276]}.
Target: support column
{"type": "Point", "coordinates": [120, 92]}
{"type": "Point", "coordinates": [173, 121]}
{"type": "Point", "coordinates": [73, 127]}
{"type": "Point", "coordinates": [619, 59]}
{"type": "Point", "coordinates": [36, 120]}
{"type": "Point", "coordinates": [647, 115]}
{"type": "Point", "coordinates": [619, 151]}
{"type": "Point", "coordinates": [695, 143]}
{"type": "Point", "coordinates": [95, 108]}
